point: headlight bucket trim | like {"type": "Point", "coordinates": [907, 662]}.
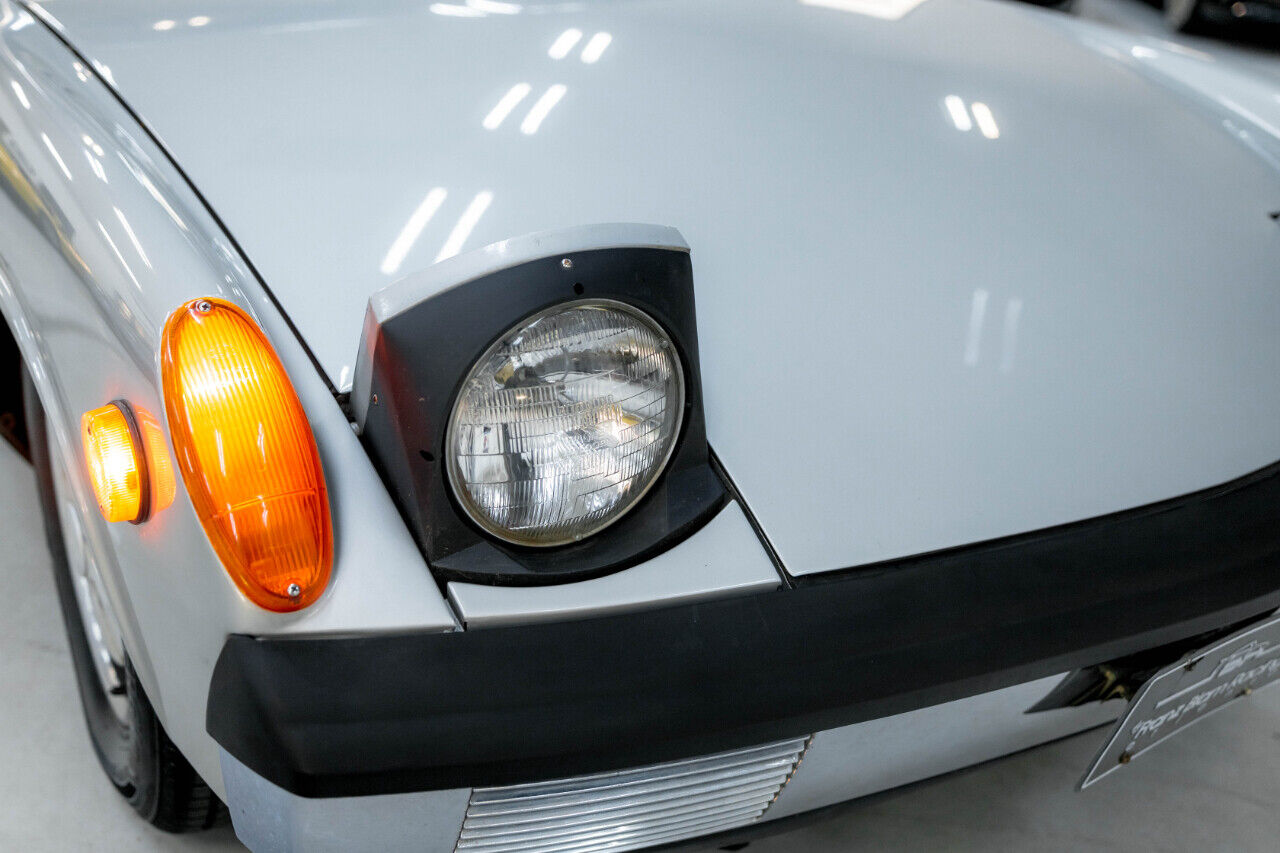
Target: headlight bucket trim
{"type": "Point", "coordinates": [415, 357]}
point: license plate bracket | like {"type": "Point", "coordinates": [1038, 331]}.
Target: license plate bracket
{"type": "Point", "coordinates": [1180, 695]}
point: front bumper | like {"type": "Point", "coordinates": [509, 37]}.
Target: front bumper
{"type": "Point", "coordinates": [837, 766]}
{"type": "Point", "coordinates": [502, 706]}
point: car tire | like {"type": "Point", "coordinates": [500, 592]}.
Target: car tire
{"type": "Point", "coordinates": [131, 744]}
{"type": "Point", "coordinates": [1182, 16]}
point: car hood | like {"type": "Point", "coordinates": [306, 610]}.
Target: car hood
{"type": "Point", "coordinates": [963, 269]}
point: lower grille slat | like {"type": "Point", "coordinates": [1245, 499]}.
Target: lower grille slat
{"type": "Point", "coordinates": [659, 812]}
{"type": "Point", "coordinates": [629, 809]}
{"type": "Point", "coordinates": [650, 799]}
{"type": "Point", "coordinates": [754, 757]}
{"type": "Point", "coordinates": [620, 837]}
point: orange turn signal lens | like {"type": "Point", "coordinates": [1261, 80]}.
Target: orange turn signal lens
{"type": "Point", "coordinates": [116, 465]}
{"type": "Point", "coordinates": [247, 455]}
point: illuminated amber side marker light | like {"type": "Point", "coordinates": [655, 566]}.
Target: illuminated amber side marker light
{"type": "Point", "coordinates": [159, 465]}
{"type": "Point", "coordinates": [247, 455]}
{"type": "Point", "coordinates": [116, 461]}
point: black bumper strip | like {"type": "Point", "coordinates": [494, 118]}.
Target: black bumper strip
{"type": "Point", "coordinates": [339, 717]}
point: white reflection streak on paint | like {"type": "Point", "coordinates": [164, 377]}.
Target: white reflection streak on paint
{"type": "Point", "coordinates": [133, 238]}
{"type": "Point", "coordinates": [119, 257]}
{"type": "Point", "coordinates": [48, 143]}
{"type": "Point", "coordinates": [1012, 314]}
{"type": "Point", "coordinates": [96, 165]}
{"type": "Point", "coordinates": [495, 7]}
{"type": "Point", "coordinates": [596, 48]}
{"type": "Point", "coordinates": [21, 93]}
{"type": "Point", "coordinates": [505, 105]}
{"type": "Point", "coordinates": [564, 43]}
{"type": "Point", "coordinates": [541, 108]}
{"type": "Point", "coordinates": [412, 230]}
{"type": "Point", "coordinates": [885, 10]}
{"type": "Point", "coordinates": [986, 121]}
{"type": "Point", "coordinates": [461, 231]}
{"type": "Point", "coordinates": [155, 194]}
{"type": "Point", "coordinates": [453, 10]}
{"type": "Point", "coordinates": [105, 72]}
{"type": "Point", "coordinates": [1251, 116]}
{"type": "Point", "coordinates": [959, 115]}
{"type": "Point", "coordinates": [977, 314]}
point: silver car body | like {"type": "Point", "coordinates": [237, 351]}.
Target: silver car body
{"type": "Point", "coordinates": [950, 276]}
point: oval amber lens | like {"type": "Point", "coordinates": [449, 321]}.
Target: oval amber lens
{"type": "Point", "coordinates": [247, 455]}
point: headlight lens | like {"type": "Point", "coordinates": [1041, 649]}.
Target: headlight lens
{"type": "Point", "coordinates": [565, 422]}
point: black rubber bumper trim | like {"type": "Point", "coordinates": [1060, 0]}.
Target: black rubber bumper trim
{"type": "Point", "coordinates": [385, 714]}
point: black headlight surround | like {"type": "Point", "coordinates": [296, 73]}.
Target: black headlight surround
{"type": "Point", "coordinates": [420, 358]}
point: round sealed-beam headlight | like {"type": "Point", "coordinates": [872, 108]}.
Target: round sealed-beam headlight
{"type": "Point", "coordinates": [565, 422]}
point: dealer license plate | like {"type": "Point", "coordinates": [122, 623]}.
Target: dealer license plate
{"type": "Point", "coordinates": [1182, 694]}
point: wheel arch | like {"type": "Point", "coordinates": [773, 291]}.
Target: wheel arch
{"type": "Point", "coordinates": [13, 425]}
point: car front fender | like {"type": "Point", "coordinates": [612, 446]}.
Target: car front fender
{"type": "Point", "coordinates": [102, 237]}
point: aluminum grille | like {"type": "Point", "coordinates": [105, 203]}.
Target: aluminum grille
{"type": "Point", "coordinates": [630, 809]}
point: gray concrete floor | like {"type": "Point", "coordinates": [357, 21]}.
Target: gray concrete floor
{"type": "Point", "coordinates": [1214, 788]}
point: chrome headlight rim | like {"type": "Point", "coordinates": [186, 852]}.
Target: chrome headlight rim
{"type": "Point", "coordinates": [458, 492]}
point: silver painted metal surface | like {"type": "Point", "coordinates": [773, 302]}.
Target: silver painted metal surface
{"type": "Point", "coordinates": [861, 759]}
{"type": "Point", "coordinates": [1243, 100]}
{"type": "Point", "coordinates": [268, 819]}
{"type": "Point", "coordinates": [630, 809]}
{"type": "Point", "coordinates": [723, 558]}
{"type": "Point", "coordinates": [100, 239]}
{"type": "Point", "coordinates": [403, 294]}
{"type": "Point", "coordinates": [949, 283]}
